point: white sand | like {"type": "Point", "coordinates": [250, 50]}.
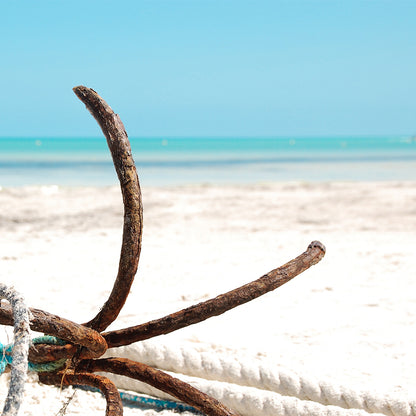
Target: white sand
{"type": "Point", "coordinates": [350, 318]}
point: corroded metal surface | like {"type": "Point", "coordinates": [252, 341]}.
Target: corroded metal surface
{"type": "Point", "coordinates": [220, 304]}
{"type": "Point", "coordinates": [87, 342]}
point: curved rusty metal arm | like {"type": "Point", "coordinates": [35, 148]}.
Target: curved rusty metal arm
{"type": "Point", "coordinates": [119, 146]}
{"type": "Point", "coordinates": [111, 394]}
{"type": "Point", "coordinates": [162, 381]}
{"type": "Point", "coordinates": [220, 304]}
{"type": "Point", "coordinates": [50, 324]}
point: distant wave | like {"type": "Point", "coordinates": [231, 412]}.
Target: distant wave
{"type": "Point", "coordinates": [219, 162]}
{"type": "Point", "coordinates": [88, 162]}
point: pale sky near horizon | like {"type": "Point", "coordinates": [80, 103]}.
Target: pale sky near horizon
{"type": "Point", "coordinates": [210, 67]}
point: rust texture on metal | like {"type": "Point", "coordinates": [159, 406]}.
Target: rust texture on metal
{"type": "Point", "coordinates": [41, 321]}
{"type": "Point", "coordinates": [161, 381]}
{"type": "Point", "coordinates": [43, 353]}
{"type": "Point", "coordinates": [112, 396]}
{"type": "Point", "coordinates": [219, 304]}
{"type": "Point", "coordinates": [88, 342]}
{"type": "Point", "coordinates": [119, 146]}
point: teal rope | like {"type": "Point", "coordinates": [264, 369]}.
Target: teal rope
{"type": "Point", "coordinates": [145, 402]}
{"type": "Point", "coordinates": [131, 399]}
{"type": "Point", "coordinates": [157, 404]}
{"type": "Point", "coordinates": [6, 355]}
{"type": "Point", "coordinates": [48, 339]}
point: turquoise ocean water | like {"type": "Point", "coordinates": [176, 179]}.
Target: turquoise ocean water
{"type": "Point", "coordinates": [173, 161]}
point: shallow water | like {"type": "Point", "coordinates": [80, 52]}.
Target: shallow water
{"type": "Point", "coordinates": [173, 161]}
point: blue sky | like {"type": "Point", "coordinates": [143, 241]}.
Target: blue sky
{"type": "Point", "coordinates": [210, 67]}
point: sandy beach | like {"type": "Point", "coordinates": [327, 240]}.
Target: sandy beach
{"type": "Point", "coordinates": [349, 319]}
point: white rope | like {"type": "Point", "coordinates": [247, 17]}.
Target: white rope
{"type": "Point", "coordinates": [263, 380]}
{"type": "Point", "coordinates": [246, 401]}
{"type": "Point", "coordinates": [20, 352]}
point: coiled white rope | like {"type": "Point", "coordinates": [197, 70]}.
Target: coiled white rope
{"type": "Point", "coordinates": [246, 401]}
{"type": "Point", "coordinates": [255, 388]}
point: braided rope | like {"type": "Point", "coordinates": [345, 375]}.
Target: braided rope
{"type": "Point", "coordinates": [246, 401]}
{"type": "Point", "coordinates": [19, 351]}
{"type": "Point", "coordinates": [238, 372]}
{"type": "Point", "coordinates": [249, 386]}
